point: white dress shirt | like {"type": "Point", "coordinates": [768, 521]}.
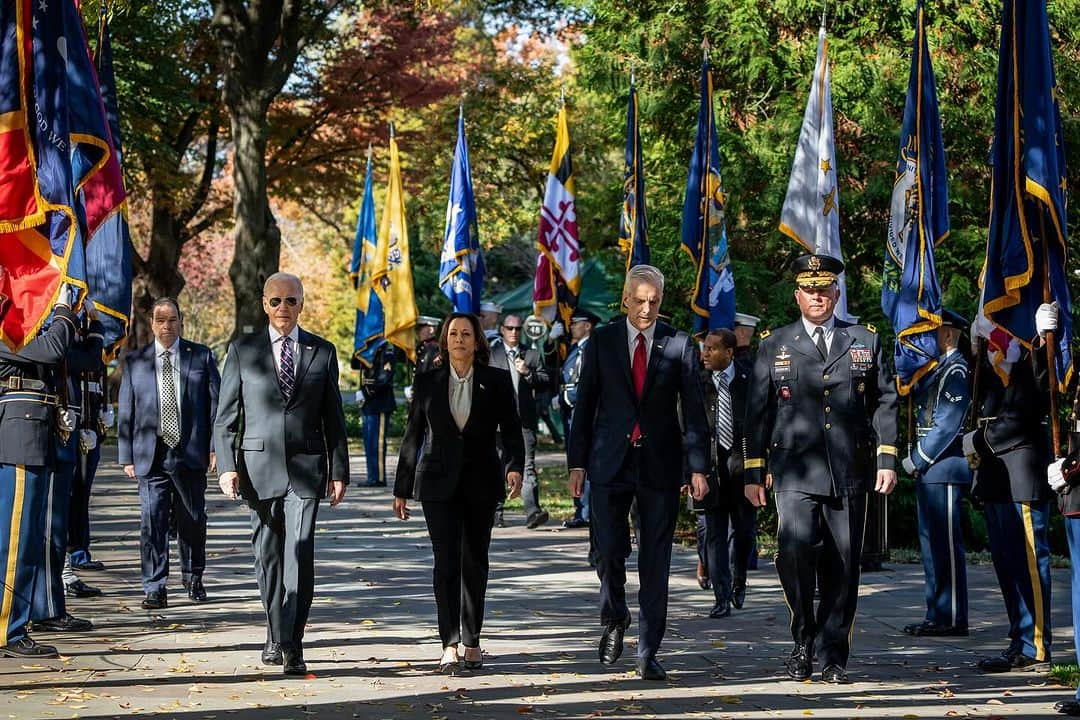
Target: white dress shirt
{"type": "Point", "coordinates": [174, 358]}
{"type": "Point", "coordinates": [460, 391]}
{"type": "Point", "coordinates": [275, 348]}
{"type": "Point", "coordinates": [514, 375]}
{"type": "Point", "coordinates": [728, 373]}
{"type": "Point", "coordinates": [631, 338]}
{"type": "Point", "coordinates": [828, 326]}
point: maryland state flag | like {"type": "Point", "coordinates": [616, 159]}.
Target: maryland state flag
{"type": "Point", "coordinates": [1026, 247]}
{"type": "Point", "coordinates": [41, 246]}
{"type": "Point", "coordinates": [811, 212]}
{"type": "Point", "coordinates": [558, 267]}
{"type": "Point", "coordinates": [392, 273]}
{"type": "Point", "coordinates": [633, 224]}
{"type": "Point", "coordinates": [368, 335]}
{"type": "Point", "coordinates": [704, 230]}
{"type": "Point", "coordinates": [919, 220]}
{"type": "Point", "coordinates": [108, 240]}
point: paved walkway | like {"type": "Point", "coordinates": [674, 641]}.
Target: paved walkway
{"type": "Point", "coordinates": [371, 645]}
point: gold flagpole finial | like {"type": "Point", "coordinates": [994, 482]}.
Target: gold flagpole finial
{"type": "Point", "coordinates": [705, 47]}
{"type": "Point", "coordinates": [824, 11]}
{"type": "Point", "coordinates": [633, 75]}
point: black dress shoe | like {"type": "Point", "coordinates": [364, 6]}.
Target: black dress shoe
{"type": "Point", "coordinates": [88, 565]}
{"type": "Point", "coordinates": [271, 654]}
{"type": "Point", "coordinates": [1011, 659]}
{"type": "Point", "coordinates": [611, 642]}
{"type": "Point", "coordinates": [293, 661]}
{"type": "Point", "coordinates": [63, 623]}
{"type": "Point", "coordinates": [155, 600]}
{"type": "Point", "coordinates": [738, 594]}
{"type": "Point", "coordinates": [720, 610]}
{"type": "Point", "coordinates": [1068, 707]}
{"type": "Point", "coordinates": [195, 590]}
{"type": "Point", "coordinates": [929, 629]}
{"type": "Point", "coordinates": [25, 647]}
{"type": "Point", "coordinates": [651, 670]}
{"type": "Point", "coordinates": [835, 674]}
{"type": "Point", "coordinates": [79, 589]}
{"type": "Point", "coordinates": [799, 664]}
{"type": "Point", "coordinates": [538, 518]}
{"type": "Point", "coordinates": [577, 522]}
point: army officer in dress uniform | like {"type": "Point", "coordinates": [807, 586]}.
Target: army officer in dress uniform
{"type": "Point", "coordinates": [821, 420]}
{"type": "Point", "coordinates": [29, 423]}
{"type": "Point", "coordinates": [942, 475]}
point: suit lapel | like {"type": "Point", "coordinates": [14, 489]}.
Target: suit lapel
{"type": "Point", "coordinates": [479, 393]}
{"type": "Point", "coordinates": [264, 361]}
{"type": "Point", "coordinates": [148, 363]}
{"type": "Point", "coordinates": [804, 343]}
{"type": "Point", "coordinates": [439, 407]}
{"type": "Point", "coordinates": [655, 355]}
{"type": "Point", "coordinates": [624, 354]}
{"type": "Point", "coordinates": [307, 356]}
{"type": "Point", "coordinates": [840, 343]}
{"type": "Point", "coordinates": [185, 368]}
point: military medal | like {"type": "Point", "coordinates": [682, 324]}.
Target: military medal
{"type": "Point", "coordinates": [785, 392]}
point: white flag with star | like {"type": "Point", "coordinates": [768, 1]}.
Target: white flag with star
{"type": "Point", "coordinates": [811, 213]}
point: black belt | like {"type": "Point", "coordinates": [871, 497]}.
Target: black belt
{"type": "Point", "coordinates": [20, 383]}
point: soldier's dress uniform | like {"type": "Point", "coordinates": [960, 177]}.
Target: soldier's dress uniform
{"type": "Point", "coordinates": [28, 402]}
{"type": "Point", "coordinates": [943, 476]}
{"type": "Point", "coordinates": [1013, 447]}
{"type": "Point", "coordinates": [49, 610]}
{"type": "Point", "coordinates": [822, 427]}
{"type": "Point", "coordinates": [377, 384]}
{"type": "Point", "coordinates": [568, 382]}
{"type": "Point", "coordinates": [88, 390]}
{"type": "Point", "coordinates": [1069, 503]}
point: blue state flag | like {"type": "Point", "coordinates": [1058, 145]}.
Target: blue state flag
{"type": "Point", "coordinates": [633, 223]}
{"type": "Point", "coordinates": [369, 312]}
{"type": "Point", "coordinates": [461, 268]}
{"type": "Point", "coordinates": [1026, 247]}
{"type": "Point", "coordinates": [704, 229]}
{"type": "Point", "coordinates": [918, 221]}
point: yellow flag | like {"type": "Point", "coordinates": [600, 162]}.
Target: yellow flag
{"type": "Point", "coordinates": [392, 273]}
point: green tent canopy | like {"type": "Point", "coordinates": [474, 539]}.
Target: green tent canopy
{"type": "Point", "coordinates": [599, 293]}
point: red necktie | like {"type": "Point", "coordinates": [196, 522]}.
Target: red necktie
{"type": "Point", "coordinates": [637, 372]}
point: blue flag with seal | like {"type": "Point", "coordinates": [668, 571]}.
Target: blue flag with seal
{"type": "Point", "coordinates": [704, 230]}
{"type": "Point", "coordinates": [461, 267]}
{"type": "Point", "coordinates": [369, 312]}
{"type": "Point", "coordinates": [918, 222]}
{"type": "Point", "coordinates": [633, 223]}
{"type": "Point", "coordinates": [1026, 247]}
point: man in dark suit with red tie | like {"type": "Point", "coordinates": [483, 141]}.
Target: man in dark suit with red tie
{"type": "Point", "coordinates": [627, 436]}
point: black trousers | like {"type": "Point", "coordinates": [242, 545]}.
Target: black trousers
{"type": "Point", "coordinates": [283, 539]}
{"type": "Point", "coordinates": [609, 506]}
{"type": "Point", "coordinates": [171, 489]}
{"type": "Point", "coordinates": [724, 566]}
{"type": "Point", "coordinates": [821, 536]}
{"type": "Point", "coordinates": [460, 531]}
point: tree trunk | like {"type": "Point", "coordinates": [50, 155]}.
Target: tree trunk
{"type": "Point", "coordinates": [257, 239]}
{"type": "Point", "coordinates": [157, 276]}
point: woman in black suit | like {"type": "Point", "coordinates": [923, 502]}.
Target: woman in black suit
{"type": "Point", "coordinates": [449, 462]}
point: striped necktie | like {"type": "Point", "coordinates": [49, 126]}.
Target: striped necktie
{"type": "Point", "coordinates": [725, 431]}
{"type": "Point", "coordinates": [286, 372]}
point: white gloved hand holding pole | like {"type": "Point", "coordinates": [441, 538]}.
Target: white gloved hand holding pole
{"type": "Point", "coordinates": [1054, 478]}
{"type": "Point", "coordinates": [1046, 318]}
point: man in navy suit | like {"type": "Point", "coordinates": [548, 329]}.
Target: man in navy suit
{"type": "Point", "coordinates": [168, 400]}
{"type": "Point", "coordinates": [626, 435]}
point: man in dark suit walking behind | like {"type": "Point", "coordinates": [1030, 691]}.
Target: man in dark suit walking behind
{"type": "Point", "coordinates": [281, 431]}
{"type": "Point", "coordinates": [627, 436]}
{"type": "Point", "coordinates": [168, 398]}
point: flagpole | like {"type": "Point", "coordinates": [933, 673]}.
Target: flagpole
{"type": "Point", "coordinates": [1051, 357]}
{"type": "Point", "coordinates": [392, 130]}
{"type": "Point", "coordinates": [824, 11]}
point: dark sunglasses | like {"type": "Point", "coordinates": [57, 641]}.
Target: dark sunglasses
{"type": "Point", "coordinates": [290, 301]}
{"type": "Point", "coordinates": [512, 328]}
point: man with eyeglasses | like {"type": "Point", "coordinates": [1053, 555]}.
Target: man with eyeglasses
{"type": "Point", "coordinates": [281, 430]}
{"type": "Point", "coordinates": [527, 372]}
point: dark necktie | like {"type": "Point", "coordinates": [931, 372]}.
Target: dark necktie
{"type": "Point", "coordinates": [637, 372]}
{"type": "Point", "coordinates": [170, 412]}
{"type": "Point", "coordinates": [820, 342]}
{"type": "Point", "coordinates": [724, 429]}
{"type": "Point", "coordinates": [286, 371]}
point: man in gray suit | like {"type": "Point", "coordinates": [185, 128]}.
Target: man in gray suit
{"type": "Point", "coordinates": [280, 432]}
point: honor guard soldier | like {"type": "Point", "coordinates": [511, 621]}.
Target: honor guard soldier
{"type": "Point", "coordinates": [28, 425]}
{"type": "Point", "coordinates": [377, 388]}
{"type": "Point", "coordinates": [1011, 447]}
{"type": "Point", "coordinates": [821, 422]}
{"type": "Point", "coordinates": [427, 346]}
{"type": "Point", "coordinates": [582, 323]}
{"type": "Point", "coordinates": [942, 477]}
{"type": "Point", "coordinates": [1063, 476]}
{"type": "Point", "coordinates": [745, 324]}
{"type": "Point", "coordinates": [49, 609]}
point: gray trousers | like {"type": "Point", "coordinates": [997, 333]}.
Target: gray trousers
{"type": "Point", "coordinates": [283, 538]}
{"type": "Point", "coordinates": [530, 488]}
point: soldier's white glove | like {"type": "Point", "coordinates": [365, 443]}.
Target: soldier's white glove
{"type": "Point", "coordinates": [555, 403]}
{"type": "Point", "coordinates": [557, 330]}
{"type": "Point", "coordinates": [1054, 478]}
{"type": "Point", "coordinates": [974, 335]}
{"type": "Point", "coordinates": [408, 392]}
{"type": "Point", "coordinates": [66, 420]}
{"type": "Point", "coordinates": [87, 440]}
{"type": "Point", "coordinates": [969, 444]}
{"type": "Point", "coordinates": [106, 416]}
{"type": "Point", "coordinates": [1046, 318]}
{"type": "Point", "coordinates": [360, 399]}
{"type": "Point", "coordinates": [908, 464]}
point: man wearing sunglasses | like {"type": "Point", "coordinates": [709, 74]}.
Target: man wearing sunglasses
{"type": "Point", "coordinates": [281, 433]}
{"type": "Point", "coordinates": [528, 373]}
